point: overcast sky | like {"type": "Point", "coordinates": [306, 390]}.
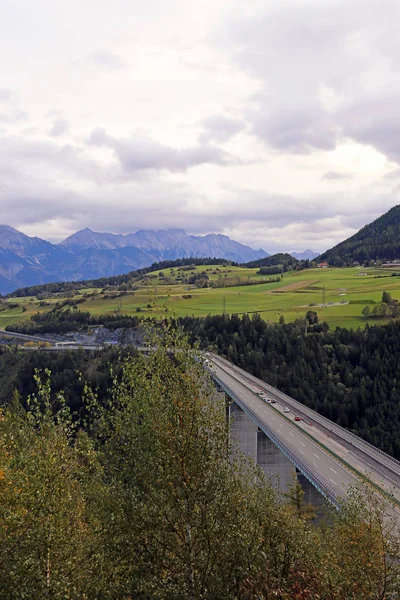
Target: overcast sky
{"type": "Point", "coordinates": [274, 122]}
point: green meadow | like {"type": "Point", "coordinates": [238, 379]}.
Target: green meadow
{"type": "Point", "coordinates": [338, 295]}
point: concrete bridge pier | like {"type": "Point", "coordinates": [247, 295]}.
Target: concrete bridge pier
{"type": "Point", "coordinates": [274, 463]}
{"type": "Point", "coordinates": [243, 430]}
{"type": "Point", "coordinates": [276, 466]}
{"type": "Point", "coordinates": [312, 495]}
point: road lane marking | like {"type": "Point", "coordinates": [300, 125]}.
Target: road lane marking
{"type": "Point", "coordinates": [280, 425]}
{"type": "Point", "coordinates": [333, 470]}
{"type": "Point", "coordinates": [316, 455]}
{"type": "Point", "coordinates": [315, 465]}
{"type": "Point", "coordinates": [301, 452]}
{"type": "Point", "coordinates": [290, 433]}
{"type": "Point", "coordinates": [333, 481]}
{"type": "Point", "coordinates": [303, 444]}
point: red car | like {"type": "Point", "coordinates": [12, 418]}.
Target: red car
{"type": "Point", "coordinates": [297, 418]}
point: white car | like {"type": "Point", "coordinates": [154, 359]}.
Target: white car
{"type": "Point", "coordinates": [286, 410]}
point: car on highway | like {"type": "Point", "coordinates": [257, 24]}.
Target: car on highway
{"type": "Point", "coordinates": [273, 401]}
{"type": "Point", "coordinates": [286, 410]}
{"type": "Point", "coordinates": [297, 418]}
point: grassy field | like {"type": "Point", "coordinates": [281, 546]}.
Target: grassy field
{"type": "Point", "coordinates": [338, 295]}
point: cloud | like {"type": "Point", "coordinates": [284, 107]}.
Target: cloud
{"type": "Point", "coordinates": [374, 121]}
{"type": "Point", "coordinates": [327, 72]}
{"type": "Point", "coordinates": [221, 128]}
{"type": "Point", "coordinates": [140, 152]}
{"type": "Point", "coordinates": [105, 59]}
{"type": "Point", "coordinates": [14, 116]}
{"type": "Point", "coordinates": [393, 174]}
{"type": "Point", "coordinates": [335, 176]}
{"type": "Point", "coordinates": [51, 158]}
{"type": "Point", "coordinates": [6, 95]}
{"type": "Point", "coordinates": [294, 131]}
{"type": "Point", "coordinates": [60, 126]}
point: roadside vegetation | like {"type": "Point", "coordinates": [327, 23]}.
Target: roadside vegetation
{"type": "Point", "coordinates": [142, 497]}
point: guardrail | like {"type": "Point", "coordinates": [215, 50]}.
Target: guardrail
{"type": "Point", "coordinates": [324, 421]}
{"type": "Point", "coordinates": [340, 460]}
{"type": "Point", "coordinates": [318, 481]}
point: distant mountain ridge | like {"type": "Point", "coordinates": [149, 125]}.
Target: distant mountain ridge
{"type": "Point", "coordinates": [379, 240]}
{"type": "Point", "coordinates": [305, 255]}
{"type": "Point", "coordinates": [26, 261]}
{"type": "Point", "coordinates": [168, 242]}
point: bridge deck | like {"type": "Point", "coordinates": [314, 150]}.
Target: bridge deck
{"type": "Point", "coordinates": [322, 453]}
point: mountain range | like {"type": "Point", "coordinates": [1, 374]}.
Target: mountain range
{"type": "Point", "coordinates": [87, 254]}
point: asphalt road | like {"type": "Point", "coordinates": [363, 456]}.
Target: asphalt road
{"type": "Point", "coordinates": [301, 441]}
{"type": "Point", "coordinates": [371, 462]}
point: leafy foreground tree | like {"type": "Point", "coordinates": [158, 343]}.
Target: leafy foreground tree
{"type": "Point", "coordinates": [49, 478]}
{"type": "Point", "coordinates": [186, 519]}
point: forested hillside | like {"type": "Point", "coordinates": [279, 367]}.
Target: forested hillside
{"type": "Point", "coordinates": [380, 240]}
{"type": "Point", "coordinates": [281, 259]}
{"type": "Point", "coordinates": [351, 377]}
{"type": "Point", "coordinates": [115, 280]}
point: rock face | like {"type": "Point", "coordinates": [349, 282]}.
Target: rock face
{"type": "Point", "coordinates": [87, 254]}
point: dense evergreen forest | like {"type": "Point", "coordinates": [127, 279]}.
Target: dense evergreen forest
{"type": "Point", "coordinates": [70, 370]}
{"type": "Point", "coordinates": [63, 321]}
{"type": "Point", "coordinates": [351, 377]}
{"type": "Point", "coordinates": [377, 241]}
{"type": "Point", "coordinates": [281, 259]}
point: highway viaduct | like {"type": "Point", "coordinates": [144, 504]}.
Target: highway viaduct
{"type": "Point", "coordinates": [327, 456]}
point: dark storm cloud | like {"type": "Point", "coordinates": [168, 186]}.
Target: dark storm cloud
{"type": "Point", "coordinates": [335, 176]}
{"type": "Point", "coordinates": [105, 59]}
{"type": "Point", "coordinates": [60, 126]}
{"type": "Point", "coordinates": [221, 128]}
{"type": "Point", "coordinates": [140, 152]}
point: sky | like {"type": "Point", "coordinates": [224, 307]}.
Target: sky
{"type": "Point", "coordinates": [275, 122]}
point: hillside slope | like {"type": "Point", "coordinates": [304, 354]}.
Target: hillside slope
{"type": "Point", "coordinates": [379, 240]}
